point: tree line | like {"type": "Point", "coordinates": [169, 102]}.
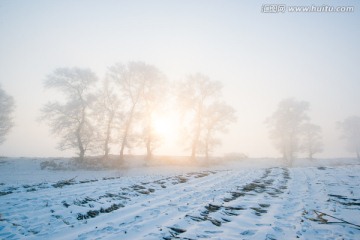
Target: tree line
{"type": "Point", "coordinates": [292, 131]}
{"type": "Point", "coordinates": [119, 109]}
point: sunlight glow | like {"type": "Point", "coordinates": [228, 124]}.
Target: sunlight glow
{"type": "Point", "coordinates": [166, 126]}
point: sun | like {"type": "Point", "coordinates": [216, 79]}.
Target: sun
{"type": "Point", "coordinates": [165, 125]}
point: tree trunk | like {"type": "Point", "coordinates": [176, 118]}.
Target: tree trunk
{"type": "Point", "coordinates": [148, 150]}
{"type": "Point", "coordinates": [291, 150]}
{"type": "Point", "coordinates": [284, 150]}
{"type": "Point", "coordinates": [287, 155]}
{"type": "Point", "coordinates": [193, 150]}
{"type": "Point", "coordinates": [106, 150]}
{"type": "Point", "coordinates": [207, 140]}
{"type": "Point", "coordinates": [149, 136]}
{"type": "Point", "coordinates": [82, 155]}
{"type": "Point", "coordinates": [127, 128]}
{"type": "Point", "coordinates": [194, 145]}
{"type": "Point", "coordinates": [107, 139]}
{"type": "Point", "coordinates": [123, 147]}
{"type": "Point", "coordinates": [197, 135]}
{"type": "Point", "coordinates": [80, 143]}
{"type": "Point", "coordinates": [106, 144]}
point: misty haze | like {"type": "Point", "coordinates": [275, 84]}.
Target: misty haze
{"type": "Point", "coordinates": [179, 120]}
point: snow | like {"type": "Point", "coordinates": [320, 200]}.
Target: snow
{"type": "Point", "coordinates": [247, 199]}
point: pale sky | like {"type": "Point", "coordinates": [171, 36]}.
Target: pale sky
{"type": "Point", "coordinates": [260, 59]}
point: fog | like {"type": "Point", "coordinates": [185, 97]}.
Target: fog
{"type": "Point", "coordinates": [259, 59]}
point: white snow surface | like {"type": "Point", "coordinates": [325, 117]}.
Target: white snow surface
{"type": "Point", "coordinates": [247, 199]}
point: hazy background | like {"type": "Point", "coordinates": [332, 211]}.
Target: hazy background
{"type": "Point", "coordinates": [260, 59]}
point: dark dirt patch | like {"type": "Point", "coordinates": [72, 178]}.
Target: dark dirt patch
{"type": "Point", "coordinates": [212, 208]}
{"type": "Point", "coordinates": [232, 211]}
{"type": "Point", "coordinates": [286, 174]}
{"type": "Point", "coordinates": [110, 178]}
{"type": "Point", "coordinates": [65, 204]}
{"type": "Point", "coordinates": [35, 187]}
{"type": "Point", "coordinates": [177, 230]}
{"type": "Point", "coordinates": [234, 208]}
{"type": "Point", "coordinates": [195, 218]}
{"type": "Point", "coordinates": [234, 195]}
{"type": "Point", "coordinates": [95, 213]}
{"type": "Point", "coordinates": [264, 205]}
{"type": "Point", "coordinates": [200, 175]}
{"type": "Point", "coordinates": [111, 208]}
{"type": "Point", "coordinates": [205, 217]}
{"type": "Point", "coordinates": [2, 193]}
{"type": "Point", "coordinates": [214, 221]}
{"type": "Point", "coordinates": [138, 187]}
{"type": "Point", "coordinates": [257, 187]}
{"type": "Point", "coordinates": [92, 213]}
{"type": "Point", "coordinates": [88, 181]}
{"type": "Point", "coordinates": [84, 201]}
{"type": "Point", "coordinates": [346, 201]}
{"type": "Point", "coordinates": [144, 192]}
{"type": "Point", "coordinates": [63, 183]}
{"type": "Point", "coordinates": [259, 211]}
{"type": "Point", "coordinates": [174, 231]}
{"type": "Point", "coordinates": [115, 196]}
{"type": "Point", "coordinates": [182, 179]}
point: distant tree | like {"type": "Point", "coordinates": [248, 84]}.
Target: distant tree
{"type": "Point", "coordinates": [154, 97]}
{"type": "Point", "coordinates": [216, 118]}
{"type": "Point", "coordinates": [285, 127]}
{"type": "Point", "coordinates": [70, 120]}
{"type": "Point", "coordinates": [108, 115]}
{"type": "Point", "coordinates": [6, 108]}
{"type": "Point", "coordinates": [351, 133]}
{"type": "Point", "coordinates": [194, 96]}
{"type": "Point", "coordinates": [137, 82]}
{"type": "Point", "coordinates": [311, 139]}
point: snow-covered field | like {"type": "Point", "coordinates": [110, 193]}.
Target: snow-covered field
{"type": "Point", "coordinates": [236, 200]}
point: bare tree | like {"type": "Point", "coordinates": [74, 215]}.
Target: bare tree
{"type": "Point", "coordinates": [351, 133]}
{"type": "Point", "coordinates": [285, 126]}
{"type": "Point", "coordinates": [154, 95]}
{"type": "Point", "coordinates": [217, 117]}
{"type": "Point", "coordinates": [6, 108]}
{"type": "Point", "coordinates": [70, 120]}
{"type": "Point", "coordinates": [311, 139]}
{"type": "Point", "coordinates": [194, 95]}
{"type": "Point", "coordinates": [107, 114]}
{"type": "Point", "coordinates": [136, 82]}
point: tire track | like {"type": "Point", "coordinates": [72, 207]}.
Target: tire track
{"type": "Point", "coordinates": [146, 219]}
{"type": "Point", "coordinates": [246, 199]}
{"type": "Point", "coordinates": [338, 195]}
{"type": "Point", "coordinates": [89, 201]}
